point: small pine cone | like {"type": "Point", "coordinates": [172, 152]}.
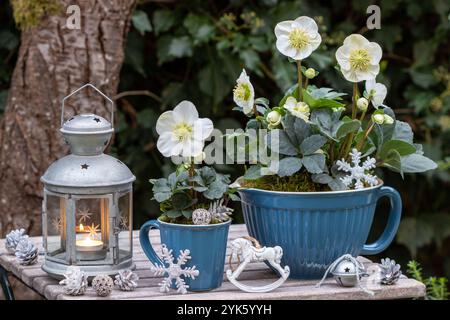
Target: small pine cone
{"type": "Point", "coordinates": [103, 285]}
{"type": "Point", "coordinates": [26, 252]}
{"type": "Point", "coordinates": [13, 238]}
{"type": "Point", "coordinates": [126, 280]}
{"type": "Point", "coordinates": [75, 282]}
{"type": "Point", "coordinates": [390, 271]}
{"type": "Point", "coordinates": [201, 216]}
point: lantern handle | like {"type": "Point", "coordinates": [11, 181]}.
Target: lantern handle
{"type": "Point", "coordinates": [93, 87]}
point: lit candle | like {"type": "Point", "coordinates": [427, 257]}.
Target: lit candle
{"type": "Point", "coordinates": [89, 244]}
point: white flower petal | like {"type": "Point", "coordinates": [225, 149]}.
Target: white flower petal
{"type": "Point", "coordinates": [307, 24]}
{"type": "Point", "coordinates": [165, 144]}
{"type": "Point", "coordinates": [283, 27]}
{"type": "Point", "coordinates": [243, 77]}
{"type": "Point", "coordinates": [185, 111]}
{"type": "Point", "coordinates": [356, 40]}
{"type": "Point", "coordinates": [203, 128]}
{"type": "Point", "coordinates": [376, 52]}
{"type": "Point", "coordinates": [165, 122]}
{"type": "Point", "coordinates": [303, 54]}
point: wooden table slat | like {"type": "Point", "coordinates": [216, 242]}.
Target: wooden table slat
{"type": "Point", "coordinates": [256, 274]}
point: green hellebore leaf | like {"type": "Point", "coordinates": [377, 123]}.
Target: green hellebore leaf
{"type": "Point", "coordinates": [162, 196]}
{"type": "Point", "coordinates": [215, 190]}
{"type": "Point", "coordinates": [253, 173]}
{"type": "Point", "coordinates": [393, 161]}
{"type": "Point", "coordinates": [314, 163]}
{"type": "Point", "coordinates": [415, 163]}
{"type": "Point", "coordinates": [180, 200]}
{"type": "Point", "coordinates": [289, 166]}
{"type": "Point", "coordinates": [347, 127]}
{"type": "Point", "coordinates": [173, 213]}
{"type": "Point", "coordinates": [283, 143]}
{"type": "Point", "coordinates": [163, 20]}
{"type": "Point", "coordinates": [320, 103]}
{"type": "Point", "coordinates": [403, 131]}
{"type": "Point", "coordinates": [312, 143]}
{"type": "Point", "coordinates": [321, 178]}
{"type": "Point", "coordinates": [402, 147]}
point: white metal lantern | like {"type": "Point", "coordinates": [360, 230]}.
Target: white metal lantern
{"type": "Point", "coordinates": [87, 206]}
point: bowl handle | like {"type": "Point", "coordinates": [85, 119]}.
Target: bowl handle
{"type": "Point", "coordinates": [392, 225]}
{"type": "Point", "coordinates": [147, 247]}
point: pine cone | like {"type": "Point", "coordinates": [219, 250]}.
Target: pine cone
{"type": "Point", "coordinates": [102, 285]}
{"type": "Point", "coordinates": [219, 211]}
{"type": "Point", "coordinates": [126, 280]}
{"type": "Point", "coordinates": [75, 282]}
{"type": "Point", "coordinates": [26, 252]}
{"type": "Point", "coordinates": [13, 238]}
{"type": "Point", "coordinates": [390, 271]}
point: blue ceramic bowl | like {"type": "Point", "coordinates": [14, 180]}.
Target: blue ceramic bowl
{"type": "Point", "coordinates": [315, 228]}
{"type": "Point", "coordinates": [207, 243]}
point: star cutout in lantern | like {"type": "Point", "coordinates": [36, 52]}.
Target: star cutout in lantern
{"type": "Point", "coordinates": [93, 230]}
{"type": "Point", "coordinates": [97, 120]}
{"type": "Point", "coordinates": [84, 166]}
{"type": "Point", "coordinates": [347, 269]}
{"type": "Point", "coordinates": [84, 215]}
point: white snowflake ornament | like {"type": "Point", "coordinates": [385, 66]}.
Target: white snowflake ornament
{"type": "Point", "coordinates": [175, 271]}
{"type": "Point", "coordinates": [359, 174]}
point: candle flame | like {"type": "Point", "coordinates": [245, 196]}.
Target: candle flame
{"type": "Point", "coordinates": [81, 228]}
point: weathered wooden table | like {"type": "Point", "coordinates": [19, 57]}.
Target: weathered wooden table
{"type": "Point", "coordinates": [256, 274]}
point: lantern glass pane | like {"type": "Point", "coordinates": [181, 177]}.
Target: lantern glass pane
{"type": "Point", "coordinates": [55, 228]}
{"type": "Point", "coordinates": [124, 226]}
{"type": "Point", "coordinates": [91, 228]}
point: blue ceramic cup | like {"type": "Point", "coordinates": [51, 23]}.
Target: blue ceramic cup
{"type": "Point", "coordinates": [315, 228]}
{"type": "Point", "coordinates": [207, 244]}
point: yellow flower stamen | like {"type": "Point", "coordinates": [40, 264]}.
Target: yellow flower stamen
{"type": "Point", "coordinates": [298, 39]}
{"type": "Point", "coordinates": [182, 132]}
{"type": "Point", "coordinates": [242, 91]}
{"type": "Point", "coordinates": [360, 60]}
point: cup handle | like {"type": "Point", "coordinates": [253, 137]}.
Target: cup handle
{"type": "Point", "coordinates": [392, 225]}
{"type": "Point", "coordinates": [144, 239]}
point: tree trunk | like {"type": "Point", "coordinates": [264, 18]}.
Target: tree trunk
{"type": "Point", "coordinates": [53, 61]}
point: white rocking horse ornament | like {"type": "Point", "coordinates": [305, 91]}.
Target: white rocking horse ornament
{"type": "Point", "coordinates": [244, 248]}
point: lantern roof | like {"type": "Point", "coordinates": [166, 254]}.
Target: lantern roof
{"type": "Point", "coordinates": [86, 123]}
{"type": "Point", "coordinates": [75, 171]}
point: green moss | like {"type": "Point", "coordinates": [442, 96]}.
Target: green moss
{"type": "Point", "coordinates": [299, 182]}
{"type": "Point", "coordinates": [182, 220]}
{"type": "Point", "coordinates": [28, 13]}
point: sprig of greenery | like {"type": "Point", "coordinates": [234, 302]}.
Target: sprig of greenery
{"type": "Point", "coordinates": [436, 287]}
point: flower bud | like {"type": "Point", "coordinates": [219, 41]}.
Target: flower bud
{"type": "Point", "coordinates": [273, 118]}
{"type": "Point", "coordinates": [362, 104]}
{"type": "Point", "coordinates": [388, 119]}
{"type": "Point", "coordinates": [199, 158]}
{"type": "Point", "coordinates": [378, 118]}
{"type": "Point", "coordinates": [310, 73]}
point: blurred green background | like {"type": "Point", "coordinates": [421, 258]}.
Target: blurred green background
{"type": "Point", "coordinates": [196, 49]}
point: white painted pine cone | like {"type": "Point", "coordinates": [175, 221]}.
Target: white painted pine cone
{"type": "Point", "coordinates": [103, 285]}
{"type": "Point", "coordinates": [26, 252]}
{"type": "Point", "coordinates": [12, 239]}
{"type": "Point", "coordinates": [126, 280]}
{"type": "Point", "coordinates": [75, 282]}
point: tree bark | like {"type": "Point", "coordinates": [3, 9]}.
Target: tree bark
{"type": "Point", "coordinates": [52, 62]}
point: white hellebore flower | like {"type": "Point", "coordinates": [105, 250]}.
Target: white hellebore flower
{"type": "Point", "coordinates": [297, 38]}
{"type": "Point", "coordinates": [298, 109]}
{"type": "Point", "coordinates": [358, 58]}
{"type": "Point", "coordinates": [377, 92]}
{"type": "Point", "coordinates": [243, 93]}
{"type": "Point", "coordinates": [182, 132]}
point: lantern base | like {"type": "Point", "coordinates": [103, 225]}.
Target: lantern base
{"type": "Point", "coordinates": [57, 270]}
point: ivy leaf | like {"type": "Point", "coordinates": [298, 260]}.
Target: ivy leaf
{"type": "Point", "coordinates": [140, 22]}
{"type": "Point", "coordinates": [180, 47]}
{"type": "Point", "coordinates": [163, 20]}
{"type": "Point", "coordinates": [415, 163]}
{"type": "Point", "coordinates": [414, 234]}
{"type": "Point", "coordinates": [289, 166]}
{"type": "Point", "coordinates": [312, 144]}
{"type": "Point", "coordinates": [314, 163]}
{"type": "Point", "coordinates": [402, 147]}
